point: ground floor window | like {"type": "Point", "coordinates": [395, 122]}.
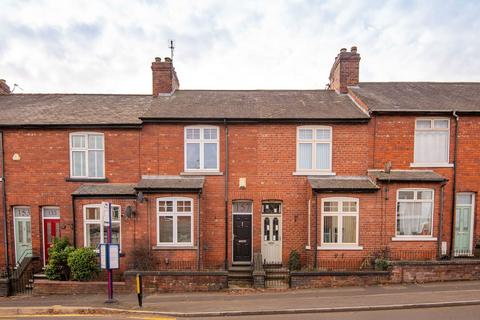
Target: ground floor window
{"type": "Point", "coordinates": [175, 221]}
{"type": "Point", "coordinates": [414, 212]}
{"type": "Point", "coordinates": [339, 222]}
{"type": "Point", "coordinates": [96, 225]}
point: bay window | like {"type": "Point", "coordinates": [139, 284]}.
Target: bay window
{"type": "Point", "coordinates": [87, 155]}
{"type": "Point", "coordinates": [201, 149]}
{"type": "Point", "coordinates": [414, 213]}
{"type": "Point", "coordinates": [174, 221]}
{"type": "Point", "coordinates": [340, 223]}
{"type": "Point", "coordinates": [96, 225]}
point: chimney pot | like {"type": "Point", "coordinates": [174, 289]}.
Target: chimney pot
{"type": "Point", "coordinates": [345, 70]}
{"type": "Point", "coordinates": [4, 88]}
{"type": "Point", "coordinates": [164, 77]}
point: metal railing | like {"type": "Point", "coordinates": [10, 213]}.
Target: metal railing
{"type": "Point", "coordinates": [463, 252]}
{"type": "Point", "coordinates": [21, 280]}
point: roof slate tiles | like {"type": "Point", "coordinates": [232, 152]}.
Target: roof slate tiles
{"type": "Point", "coordinates": [420, 96]}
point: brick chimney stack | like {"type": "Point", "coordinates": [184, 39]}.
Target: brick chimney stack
{"type": "Point", "coordinates": [345, 70]}
{"type": "Point", "coordinates": [4, 88]}
{"type": "Point", "coordinates": [165, 80]}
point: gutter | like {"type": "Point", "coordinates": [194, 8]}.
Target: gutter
{"type": "Point", "coordinates": [226, 194]}
{"type": "Point", "coordinates": [315, 252]}
{"type": "Point", "coordinates": [4, 206]}
{"type": "Point", "coordinates": [440, 223]}
{"type": "Point", "coordinates": [74, 222]}
{"type": "Point", "coordinates": [454, 188]}
{"type": "Point", "coordinates": [198, 232]}
{"type": "Point", "coordinates": [255, 120]}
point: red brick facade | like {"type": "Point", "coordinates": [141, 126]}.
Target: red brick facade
{"type": "Point", "coordinates": [37, 172]}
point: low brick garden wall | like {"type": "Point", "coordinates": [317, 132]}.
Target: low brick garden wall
{"type": "Point", "coordinates": [326, 279]}
{"type": "Point", "coordinates": [4, 285]}
{"type": "Point", "coordinates": [179, 281]}
{"type": "Point", "coordinates": [399, 272]}
{"type": "Point", "coordinates": [433, 271]}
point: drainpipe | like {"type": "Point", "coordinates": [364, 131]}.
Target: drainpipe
{"type": "Point", "coordinates": [4, 205]}
{"type": "Point", "coordinates": [316, 232]}
{"type": "Point", "coordinates": [440, 222]}
{"type": "Point", "coordinates": [226, 195]}
{"type": "Point", "coordinates": [454, 191]}
{"type": "Point", "coordinates": [198, 232]}
{"type": "Point", "coordinates": [74, 223]}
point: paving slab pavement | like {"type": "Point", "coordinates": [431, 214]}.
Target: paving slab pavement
{"type": "Point", "coordinates": [267, 301]}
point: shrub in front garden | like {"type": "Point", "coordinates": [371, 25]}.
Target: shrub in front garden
{"type": "Point", "coordinates": [57, 267]}
{"type": "Point", "coordinates": [294, 263]}
{"type": "Point", "coordinates": [83, 264]}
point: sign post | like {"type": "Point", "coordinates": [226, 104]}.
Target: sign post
{"type": "Point", "coordinates": [109, 253]}
{"type": "Point", "coordinates": [139, 289]}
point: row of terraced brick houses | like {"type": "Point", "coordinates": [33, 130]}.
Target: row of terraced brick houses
{"type": "Point", "coordinates": [207, 178]}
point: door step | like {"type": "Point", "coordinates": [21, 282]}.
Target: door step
{"type": "Point", "coordinates": [39, 276]}
{"type": "Point", "coordinates": [277, 277]}
{"type": "Point", "coordinates": [240, 276]}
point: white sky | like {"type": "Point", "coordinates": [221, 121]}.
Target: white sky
{"type": "Point", "coordinates": [108, 46]}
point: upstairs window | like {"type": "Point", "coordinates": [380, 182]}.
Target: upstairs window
{"type": "Point", "coordinates": [314, 149]}
{"type": "Point", "coordinates": [87, 155]}
{"type": "Point", "coordinates": [432, 140]}
{"type": "Point", "coordinates": [201, 149]}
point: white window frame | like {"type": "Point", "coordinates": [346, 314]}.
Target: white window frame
{"type": "Point", "coordinates": [432, 128]}
{"type": "Point", "coordinates": [202, 141]}
{"type": "Point", "coordinates": [101, 222]}
{"type": "Point", "coordinates": [175, 215]}
{"type": "Point", "coordinates": [313, 142]}
{"type": "Point", "coordinates": [339, 214]}
{"type": "Point", "coordinates": [429, 237]}
{"type": "Point", "coordinates": [85, 149]}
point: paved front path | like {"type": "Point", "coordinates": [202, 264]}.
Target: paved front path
{"type": "Point", "coordinates": [269, 300]}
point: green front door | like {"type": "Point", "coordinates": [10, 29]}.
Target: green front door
{"type": "Point", "coordinates": [463, 231]}
{"type": "Point", "coordinates": [23, 233]}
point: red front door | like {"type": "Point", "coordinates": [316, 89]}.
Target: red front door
{"type": "Point", "coordinates": [51, 230]}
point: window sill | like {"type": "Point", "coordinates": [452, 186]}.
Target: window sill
{"type": "Point", "coordinates": [173, 247]}
{"type": "Point", "coordinates": [351, 248]}
{"type": "Point", "coordinates": [201, 173]}
{"type": "Point", "coordinates": [431, 165]}
{"type": "Point", "coordinates": [313, 173]}
{"type": "Point", "coordinates": [414, 238]}
{"type": "Point", "coordinates": [308, 247]}
{"type": "Point", "coordinates": [86, 179]}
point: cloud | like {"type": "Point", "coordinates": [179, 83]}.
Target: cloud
{"type": "Point", "coordinates": [107, 46]}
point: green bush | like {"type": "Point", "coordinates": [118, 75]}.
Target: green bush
{"type": "Point", "coordinates": [294, 261]}
{"type": "Point", "coordinates": [83, 264]}
{"type": "Point", "coordinates": [57, 267]}
{"type": "Point", "coordinates": [381, 264]}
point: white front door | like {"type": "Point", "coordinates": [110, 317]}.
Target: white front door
{"type": "Point", "coordinates": [272, 233]}
{"type": "Point", "coordinates": [23, 233]}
